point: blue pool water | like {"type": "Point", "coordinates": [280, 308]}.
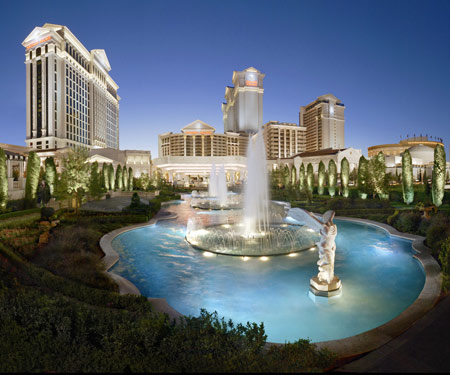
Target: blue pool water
{"type": "Point", "coordinates": [379, 274]}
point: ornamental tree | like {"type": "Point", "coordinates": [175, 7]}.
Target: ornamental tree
{"type": "Point", "coordinates": [130, 179]}
{"type": "Point", "coordinates": [332, 177]}
{"type": "Point", "coordinates": [345, 175]}
{"type": "Point", "coordinates": [321, 178]}
{"type": "Point", "coordinates": [33, 168]}
{"type": "Point", "coordinates": [377, 175]}
{"type": "Point", "coordinates": [112, 180]}
{"type": "Point", "coordinates": [3, 180]}
{"type": "Point", "coordinates": [96, 189]}
{"type": "Point", "coordinates": [309, 177]}
{"type": "Point", "coordinates": [105, 176]}
{"type": "Point", "coordinates": [301, 178]}
{"type": "Point", "coordinates": [119, 181]}
{"type": "Point", "coordinates": [286, 176]}
{"type": "Point", "coordinates": [75, 175]}
{"type": "Point", "coordinates": [125, 179]}
{"type": "Point", "coordinates": [363, 174]}
{"type": "Point", "coordinates": [407, 178]}
{"type": "Point", "coordinates": [50, 175]}
{"type": "Point", "coordinates": [293, 175]}
{"type": "Point", "coordinates": [438, 175]}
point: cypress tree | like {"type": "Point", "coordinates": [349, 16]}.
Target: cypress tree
{"type": "Point", "coordinates": [309, 177]}
{"type": "Point", "coordinates": [105, 176]}
{"type": "Point", "coordinates": [286, 176]}
{"type": "Point", "coordinates": [321, 178]}
{"type": "Point", "coordinates": [407, 178]}
{"type": "Point", "coordinates": [112, 180]}
{"type": "Point", "coordinates": [345, 175]}
{"type": "Point", "coordinates": [125, 179]}
{"type": "Point", "coordinates": [293, 176]}
{"type": "Point", "coordinates": [362, 177]}
{"type": "Point", "coordinates": [50, 175]}
{"type": "Point", "coordinates": [130, 179]}
{"type": "Point", "coordinates": [33, 168]}
{"type": "Point", "coordinates": [119, 181]}
{"type": "Point", "coordinates": [332, 177]}
{"type": "Point", "coordinates": [95, 182]}
{"type": "Point", "coordinates": [301, 178]}
{"type": "Point", "coordinates": [438, 175]}
{"type": "Point", "coordinates": [3, 180]}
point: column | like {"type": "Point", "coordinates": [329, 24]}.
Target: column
{"type": "Point", "coordinates": [28, 66]}
{"type": "Point", "coordinates": [279, 143]}
{"type": "Point", "coordinates": [44, 96]}
{"type": "Point", "coordinates": [34, 99]}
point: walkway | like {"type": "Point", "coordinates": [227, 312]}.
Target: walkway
{"type": "Point", "coordinates": [422, 348]}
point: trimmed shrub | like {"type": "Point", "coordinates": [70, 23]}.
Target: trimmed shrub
{"type": "Point", "coordinates": [130, 179]}
{"type": "Point", "coordinates": [332, 177]}
{"type": "Point", "coordinates": [46, 213]}
{"type": "Point", "coordinates": [408, 221]}
{"type": "Point", "coordinates": [407, 178]}
{"type": "Point", "coordinates": [438, 179]}
{"type": "Point", "coordinates": [33, 167]}
{"type": "Point", "coordinates": [345, 174]}
{"type": "Point", "coordinates": [119, 180]}
{"type": "Point", "coordinates": [50, 175]}
{"type": "Point", "coordinates": [3, 181]}
{"type": "Point", "coordinates": [321, 178]}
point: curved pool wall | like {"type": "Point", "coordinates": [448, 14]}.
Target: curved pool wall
{"type": "Point", "coordinates": [158, 261]}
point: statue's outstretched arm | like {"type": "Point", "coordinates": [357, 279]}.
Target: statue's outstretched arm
{"type": "Point", "coordinates": [306, 218]}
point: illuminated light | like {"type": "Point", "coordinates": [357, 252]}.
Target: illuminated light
{"type": "Point", "coordinates": [284, 225]}
{"type": "Point", "coordinates": [264, 259]}
{"type": "Point", "coordinates": [292, 255]}
{"type": "Point", "coordinates": [39, 42]}
{"type": "Point", "coordinates": [251, 83]}
{"type": "Point", "coordinates": [312, 248]}
{"type": "Point", "coordinates": [245, 258]}
{"type": "Point", "coordinates": [226, 226]}
{"type": "Point", "coordinates": [208, 254]}
{"type": "Point", "coordinates": [310, 230]}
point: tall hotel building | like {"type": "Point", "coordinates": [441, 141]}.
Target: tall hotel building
{"type": "Point", "coordinates": [284, 139]}
{"type": "Point", "coordinates": [71, 99]}
{"type": "Point", "coordinates": [324, 123]}
{"type": "Point", "coordinates": [243, 110]}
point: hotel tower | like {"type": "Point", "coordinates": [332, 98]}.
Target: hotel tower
{"type": "Point", "coordinates": [71, 99]}
{"type": "Point", "coordinates": [324, 122]}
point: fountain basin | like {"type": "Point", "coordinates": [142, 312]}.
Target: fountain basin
{"type": "Point", "coordinates": [231, 239]}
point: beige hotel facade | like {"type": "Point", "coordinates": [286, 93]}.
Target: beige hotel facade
{"type": "Point", "coordinates": [71, 99]}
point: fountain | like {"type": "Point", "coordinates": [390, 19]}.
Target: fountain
{"type": "Point", "coordinates": [212, 187]}
{"type": "Point", "coordinates": [261, 230]}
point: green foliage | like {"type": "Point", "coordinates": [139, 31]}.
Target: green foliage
{"type": "Point", "coordinates": [309, 177]}
{"type": "Point", "coordinates": [50, 175]}
{"type": "Point", "coordinates": [130, 179]}
{"type": "Point", "coordinates": [10, 215]}
{"type": "Point", "coordinates": [112, 180]}
{"type": "Point", "coordinates": [135, 201]}
{"type": "Point", "coordinates": [286, 175]}
{"type": "Point", "coordinates": [76, 173]}
{"type": "Point", "coordinates": [293, 176]}
{"type": "Point", "coordinates": [377, 174]}
{"type": "Point", "coordinates": [321, 178]}
{"type": "Point", "coordinates": [47, 213]}
{"type": "Point", "coordinates": [119, 179]}
{"type": "Point", "coordinates": [332, 178]}
{"type": "Point", "coordinates": [144, 182]}
{"type": "Point", "coordinates": [33, 166]}
{"type": "Point", "coordinates": [363, 177]}
{"type": "Point", "coordinates": [105, 176]}
{"type": "Point", "coordinates": [437, 231]}
{"type": "Point", "coordinates": [96, 190]}
{"type": "Point", "coordinates": [444, 258]}
{"type": "Point", "coordinates": [301, 178]}
{"type": "Point", "coordinates": [345, 175]}
{"type": "Point", "coordinates": [408, 221]}
{"type": "Point", "coordinates": [438, 184]}
{"type": "Point", "coordinates": [407, 178]}
{"type": "Point", "coordinates": [3, 181]}
{"type": "Point", "coordinates": [125, 179]}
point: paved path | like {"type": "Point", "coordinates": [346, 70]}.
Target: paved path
{"type": "Point", "coordinates": [109, 205]}
{"type": "Point", "coordinates": [425, 347]}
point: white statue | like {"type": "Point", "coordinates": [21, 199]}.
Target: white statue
{"type": "Point", "coordinates": [326, 245]}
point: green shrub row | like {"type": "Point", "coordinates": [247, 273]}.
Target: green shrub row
{"type": "Point", "coordinates": [10, 215]}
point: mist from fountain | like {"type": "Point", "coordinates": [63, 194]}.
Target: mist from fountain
{"type": "Point", "coordinates": [212, 187]}
{"type": "Point", "coordinates": [222, 186]}
{"type": "Point", "coordinates": [256, 189]}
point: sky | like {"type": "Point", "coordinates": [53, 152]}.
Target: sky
{"type": "Point", "coordinates": [388, 61]}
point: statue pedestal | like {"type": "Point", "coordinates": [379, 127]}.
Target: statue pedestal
{"type": "Point", "coordinates": [323, 289]}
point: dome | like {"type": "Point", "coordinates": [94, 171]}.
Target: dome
{"type": "Point", "coordinates": [422, 152]}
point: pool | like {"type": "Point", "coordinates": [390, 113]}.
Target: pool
{"type": "Point", "coordinates": [380, 277]}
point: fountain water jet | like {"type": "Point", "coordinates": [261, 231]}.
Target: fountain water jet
{"type": "Point", "coordinates": [256, 191]}
{"type": "Point", "coordinates": [222, 186]}
{"type": "Point", "coordinates": [212, 187]}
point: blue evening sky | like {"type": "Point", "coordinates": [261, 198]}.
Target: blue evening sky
{"type": "Point", "coordinates": [388, 61]}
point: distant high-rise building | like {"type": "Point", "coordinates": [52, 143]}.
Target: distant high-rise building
{"type": "Point", "coordinates": [243, 110]}
{"type": "Point", "coordinates": [284, 139]}
{"type": "Point", "coordinates": [324, 121]}
{"type": "Point", "coordinates": [71, 99]}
